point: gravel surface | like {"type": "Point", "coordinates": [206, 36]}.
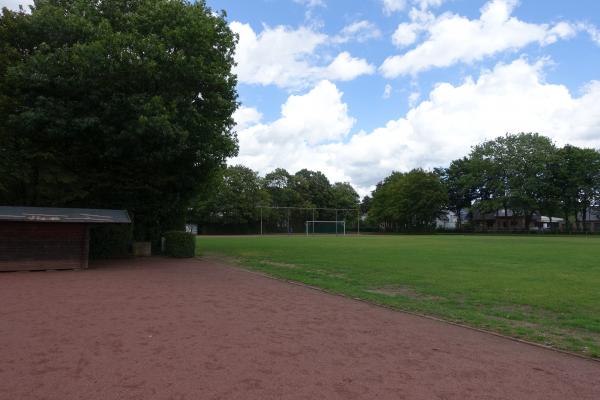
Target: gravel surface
{"type": "Point", "coordinates": [191, 329]}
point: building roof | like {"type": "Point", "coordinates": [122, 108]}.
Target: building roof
{"type": "Point", "coordinates": [73, 215]}
{"type": "Point", "coordinates": [501, 213]}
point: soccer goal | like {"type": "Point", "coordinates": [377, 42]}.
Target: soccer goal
{"type": "Point", "coordinates": [323, 227]}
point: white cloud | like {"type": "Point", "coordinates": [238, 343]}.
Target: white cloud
{"type": "Point", "coordinates": [311, 3]}
{"type": "Point", "coordinates": [562, 30]}
{"type": "Point", "coordinates": [287, 58]}
{"type": "Point", "coordinates": [14, 4]}
{"type": "Point", "coordinates": [406, 34]}
{"type": "Point", "coordinates": [345, 68]}
{"type": "Point", "coordinates": [387, 91]}
{"type": "Point", "coordinates": [277, 55]}
{"type": "Point", "coordinates": [246, 116]}
{"type": "Point", "coordinates": [392, 6]}
{"type": "Point", "coordinates": [413, 98]}
{"type": "Point", "coordinates": [454, 39]}
{"type": "Point", "coordinates": [425, 4]}
{"type": "Point", "coordinates": [313, 129]}
{"type": "Point", "coordinates": [361, 31]}
{"type": "Point", "coordinates": [591, 30]}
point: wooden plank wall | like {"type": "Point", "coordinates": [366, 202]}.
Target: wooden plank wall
{"type": "Point", "coordinates": [26, 246]}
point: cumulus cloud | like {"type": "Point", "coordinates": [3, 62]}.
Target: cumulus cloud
{"type": "Point", "coordinates": [392, 6]}
{"type": "Point", "coordinates": [313, 129]}
{"type": "Point", "coordinates": [360, 31]}
{"type": "Point", "coordinates": [345, 68]}
{"type": "Point", "coordinates": [406, 34]}
{"type": "Point", "coordinates": [413, 98]}
{"type": "Point", "coordinates": [246, 116]}
{"type": "Point", "coordinates": [591, 30]}
{"type": "Point", "coordinates": [452, 38]}
{"type": "Point", "coordinates": [287, 58]}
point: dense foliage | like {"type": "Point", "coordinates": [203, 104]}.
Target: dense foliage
{"type": "Point", "coordinates": [526, 174]}
{"type": "Point", "coordinates": [115, 104]}
{"type": "Point", "coordinates": [232, 202]}
{"type": "Point", "coordinates": [180, 244]}
{"type": "Point", "coordinates": [110, 241]}
{"type": "Point", "coordinates": [523, 175]}
{"type": "Point", "coordinates": [408, 201]}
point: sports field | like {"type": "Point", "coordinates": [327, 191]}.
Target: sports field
{"type": "Point", "coordinates": [542, 289]}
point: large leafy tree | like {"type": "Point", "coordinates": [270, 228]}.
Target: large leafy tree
{"type": "Point", "coordinates": [575, 177]}
{"type": "Point", "coordinates": [460, 183]}
{"type": "Point", "coordinates": [115, 104]}
{"type": "Point", "coordinates": [233, 199]}
{"type": "Point", "coordinates": [408, 201]}
{"type": "Point", "coordinates": [280, 186]}
{"type": "Point", "coordinates": [313, 187]}
{"type": "Point", "coordinates": [365, 204]}
{"type": "Point", "coordinates": [344, 196]}
{"type": "Point", "coordinates": [511, 172]}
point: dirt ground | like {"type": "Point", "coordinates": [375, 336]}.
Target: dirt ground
{"type": "Point", "coordinates": [168, 329]}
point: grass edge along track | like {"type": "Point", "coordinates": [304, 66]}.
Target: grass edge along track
{"type": "Point", "coordinates": [540, 289]}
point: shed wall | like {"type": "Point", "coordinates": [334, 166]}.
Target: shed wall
{"type": "Point", "coordinates": [28, 246]}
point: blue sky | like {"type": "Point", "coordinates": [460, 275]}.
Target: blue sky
{"type": "Point", "coordinates": [358, 89]}
{"type": "Point", "coordinates": [575, 61]}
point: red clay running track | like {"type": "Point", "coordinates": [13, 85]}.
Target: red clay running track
{"type": "Point", "coordinates": [164, 329]}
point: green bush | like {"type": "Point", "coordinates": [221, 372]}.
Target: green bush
{"type": "Point", "coordinates": [110, 241]}
{"type": "Point", "coordinates": [180, 244]}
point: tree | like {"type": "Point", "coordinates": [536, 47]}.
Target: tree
{"type": "Point", "coordinates": [576, 179]}
{"type": "Point", "coordinates": [234, 198]}
{"type": "Point", "coordinates": [115, 104]}
{"type": "Point", "coordinates": [344, 196]}
{"type": "Point", "coordinates": [280, 186]}
{"type": "Point", "coordinates": [459, 181]}
{"type": "Point", "coordinates": [313, 187]}
{"type": "Point", "coordinates": [408, 201]}
{"type": "Point", "coordinates": [365, 204]}
{"type": "Point", "coordinates": [510, 172]}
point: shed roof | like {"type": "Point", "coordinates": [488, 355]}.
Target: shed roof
{"type": "Point", "coordinates": [73, 215]}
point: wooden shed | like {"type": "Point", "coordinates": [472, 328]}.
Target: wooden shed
{"type": "Point", "coordinates": [39, 238]}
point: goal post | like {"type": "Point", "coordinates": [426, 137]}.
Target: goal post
{"type": "Point", "coordinates": [305, 220]}
{"type": "Point", "coordinates": [325, 227]}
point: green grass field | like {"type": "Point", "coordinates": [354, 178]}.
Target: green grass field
{"type": "Point", "coordinates": [542, 289]}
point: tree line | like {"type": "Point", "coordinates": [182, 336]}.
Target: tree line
{"type": "Point", "coordinates": [522, 175]}
{"type": "Point", "coordinates": [232, 201]}
{"type": "Point", "coordinates": [519, 174]}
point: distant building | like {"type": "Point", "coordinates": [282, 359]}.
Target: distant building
{"type": "Point", "coordinates": [507, 220]}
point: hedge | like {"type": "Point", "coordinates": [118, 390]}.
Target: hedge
{"type": "Point", "coordinates": [180, 244]}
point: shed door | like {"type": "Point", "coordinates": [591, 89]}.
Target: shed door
{"type": "Point", "coordinates": [42, 245]}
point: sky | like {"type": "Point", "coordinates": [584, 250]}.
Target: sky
{"type": "Point", "coordinates": [360, 88]}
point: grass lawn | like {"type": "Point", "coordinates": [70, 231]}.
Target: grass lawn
{"type": "Point", "coordinates": [542, 289]}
